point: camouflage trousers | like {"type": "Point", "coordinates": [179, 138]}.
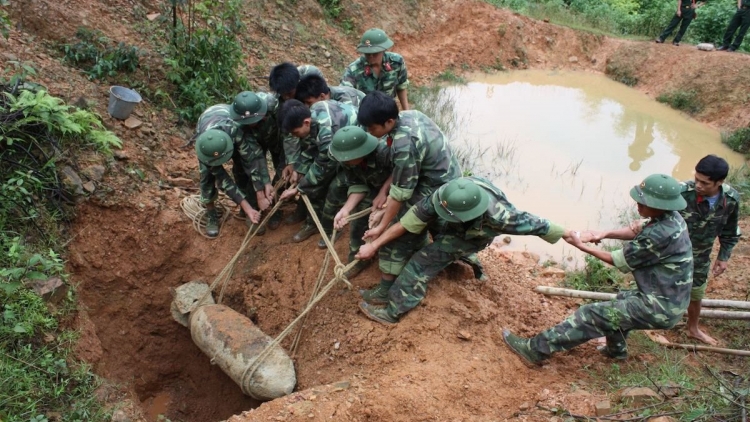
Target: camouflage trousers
{"type": "Point", "coordinates": [209, 190]}
{"type": "Point", "coordinates": [278, 166]}
{"type": "Point", "coordinates": [613, 319]}
{"type": "Point", "coordinates": [327, 199]}
{"type": "Point", "coordinates": [701, 267]}
{"type": "Point", "coordinates": [410, 286]}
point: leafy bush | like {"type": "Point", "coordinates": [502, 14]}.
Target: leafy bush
{"type": "Point", "coordinates": [596, 276]}
{"type": "Point", "coordinates": [738, 140]}
{"type": "Point", "coordinates": [4, 20]}
{"type": "Point", "coordinates": [100, 57]}
{"type": "Point", "coordinates": [204, 56]}
{"type": "Point", "coordinates": [686, 101]}
{"type": "Point", "coordinates": [712, 21]}
{"type": "Point", "coordinates": [332, 8]}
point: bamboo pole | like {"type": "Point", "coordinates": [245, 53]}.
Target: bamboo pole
{"type": "Point", "coordinates": [706, 313]}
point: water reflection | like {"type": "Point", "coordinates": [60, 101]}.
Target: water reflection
{"type": "Point", "coordinates": [568, 146]}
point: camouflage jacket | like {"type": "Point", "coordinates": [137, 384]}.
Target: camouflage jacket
{"type": "Point", "coordinates": [315, 163]}
{"type": "Point", "coordinates": [251, 156]}
{"type": "Point", "coordinates": [501, 217]}
{"type": "Point", "coordinates": [308, 69]}
{"type": "Point", "coordinates": [422, 158]}
{"type": "Point", "coordinates": [347, 95]}
{"type": "Point", "coordinates": [661, 259]}
{"type": "Point", "coordinates": [392, 77]}
{"type": "Point", "coordinates": [371, 173]}
{"type": "Point", "coordinates": [266, 135]}
{"type": "Point", "coordinates": [706, 223]}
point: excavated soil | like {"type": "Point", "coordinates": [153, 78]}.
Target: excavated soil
{"type": "Point", "coordinates": [445, 361]}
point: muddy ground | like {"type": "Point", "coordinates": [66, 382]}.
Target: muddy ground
{"type": "Point", "coordinates": [445, 361]}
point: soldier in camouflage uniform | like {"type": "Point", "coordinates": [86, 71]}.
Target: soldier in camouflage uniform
{"type": "Point", "coordinates": [712, 210]}
{"type": "Point", "coordinates": [422, 162]}
{"type": "Point", "coordinates": [464, 215]}
{"type": "Point", "coordinates": [313, 128]}
{"type": "Point", "coordinates": [661, 260]}
{"type": "Point", "coordinates": [365, 172]}
{"type": "Point", "coordinates": [247, 156]}
{"type": "Point", "coordinates": [313, 88]}
{"type": "Point", "coordinates": [284, 78]}
{"type": "Point", "coordinates": [378, 69]}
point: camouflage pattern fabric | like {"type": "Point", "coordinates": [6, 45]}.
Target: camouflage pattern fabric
{"type": "Point", "coordinates": [346, 95]}
{"type": "Point", "coordinates": [393, 76]}
{"type": "Point", "coordinates": [318, 167]}
{"type": "Point", "coordinates": [367, 177]}
{"type": "Point", "coordinates": [705, 224]}
{"type": "Point", "coordinates": [453, 241]}
{"type": "Point", "coordinates": [267, 135]}
{"type": "Point", "coordinates": [246, 159]}
{"type": "Point", "coordinates": [661, 260]}
{"type": "Point", "coordinates": [308, 69]}
{"type": "Point", "coordinates": [422, 162]}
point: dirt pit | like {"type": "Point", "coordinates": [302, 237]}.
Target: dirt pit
{"type": "Point", "coordinates": [445, 360]}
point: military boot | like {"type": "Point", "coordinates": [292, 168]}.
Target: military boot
{"type": "Point", "coordinates": [380, 315]}
{"type": "Point", "coordinates": [476, 266]}
{"type": "Point", "coordinates": [378, 295]}
{"type": "Point", "coordinates": [251, 226]}
{"type": "Point", "coordinates": [297, 215]}
{"type": "Point", "coordinates": [307, 230]}
{"type": "Point", "coordinates": [606, 351]}
{"type": "Point", "coordinates": [212, 222]}
{"type": "Point", "coordinates": [275, 221]}
{"type": "Point", "coordinates": [522, 347]}
{"type": "Point", "coordinates": [357, 268]}
{"type": "Point", "coordinates": [322, 243]}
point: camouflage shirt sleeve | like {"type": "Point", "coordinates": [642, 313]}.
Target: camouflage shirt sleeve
{"type": "Point", "coordinates": [729, 235]}
{"type": "Point", "coordinates": [507, 220]}
{"type": "Point", "coordinates": [292, 150]}
{"type": "Point", "coordinates": [403, 79]}
{"type": "Point", "coordinates": [253, 162]}
{"type": "Point", "coordinates": [322, 166]}
{"type": "Point", "coordinates": [223, 181]}
{"type": "Point", "coordinates": [419, 216]}
{"type": "Point", "coordinates": [642, 251]}
{"type": "Point", "coordinates": [349, 78]}
{"type": "Point", "coordinates": [407, 162]}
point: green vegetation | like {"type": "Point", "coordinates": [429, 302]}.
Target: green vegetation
{"type": "Point", "coordinates": [739, 178]}
{"type": "Point", "coordinates": [98, 56]}
{"type": "Point", "coordinates": [596, 276]}
{"type": "Point", "coordinates": [687, 101]}
{"type": "Point", "coordinates": [38, 373]}
{"type": "Point", "coordinates": [621, 73]}
{"type": "Point", "coordinates": [692, 392]}
{"type": "Point", "coordinates": [4, 20]}
{"type": "Point", "coordinates": [204, 56]}
{"type": "Point", "coordinates": [332, 8]}
{"type": "Point", "coordinates": [738, 140]}
{"type": "Point", "coordinates": [627, 18]}
{"type": "Point", "coordinates": [450, 77]}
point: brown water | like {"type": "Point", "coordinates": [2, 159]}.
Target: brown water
{"type": "Point", "coordinates": [569, 146]}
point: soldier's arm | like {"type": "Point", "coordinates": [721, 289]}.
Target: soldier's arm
{"type": "Point", "coordinates": [507, 220]}
{"type": "Point", "coordinates": [253, 160]}
{"type": "Point", "coordinates": [729, 235]}
{"type": "Point", "coordinates": [643, 251]}
{"type": "Point", "coordinates": [227, 185]}
{"type": "Point", "coordinates": [348, 79]}
{"type": "Point", "coordinates": [292, 150]}
{"type": "Point", "coordinates": [403, 83]}
{"type": "Point", "coordinates": [322, 166]}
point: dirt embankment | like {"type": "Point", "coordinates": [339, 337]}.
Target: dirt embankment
{"type": "Point", "coordinates": [445, 360]}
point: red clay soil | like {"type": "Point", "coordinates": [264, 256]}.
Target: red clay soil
{"type": "Point", "coordinates": [445, 360]}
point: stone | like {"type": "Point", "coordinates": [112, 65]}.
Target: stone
{"type": "Point", "coordinates": [153, 16]}
{"type": "Point", "coordinates": [89, 187]}
{"type": "Point", "coordinates": [706, 46]}
{"type": "Point", "coordinates": [53, 290]}
{"type": "Point", "coordinates": [524, 406]}
{"type": "Point", "coordinates": [463, 335]}
{"type": "Point", "coordinates": [553, 272]}
{"type": "Point", "coordinates": [72, 180]}
{"type": "Point", "coordinates": [507, 240]}
{"type": "Point", "coordinates": [121, 155]}
{"type": "Point", "coordinates": [341, 386]}
{"type": "Point", "coordinates": [670, 389]}
{"type": "Point", "coordinates": [94, 173]}
{"type": "Point", "coordinates": [120, 416]}
{"type": "Point", "coordinates": [603, 408]}
{"type": "Point", "coordinates": [132, 123]}
{"type": "Point", "coordinates": [662, 419]}
{"type": "Point", "coordinates": [327, 54]}
{"type": "Point", "coordinates": [638, 396]}
{"type": "Point", "coordinates": [181, 182]}
{"type": "Point", "coordinates": [573, 59]}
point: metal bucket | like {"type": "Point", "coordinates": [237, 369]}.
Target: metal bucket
{"type": "Point", "coordinates": [122, 101]}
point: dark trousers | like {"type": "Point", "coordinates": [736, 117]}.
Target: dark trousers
{"type": "Point", "coordinates": [740, 20]}
{"type": "Point", "coordinates": [688, 14]}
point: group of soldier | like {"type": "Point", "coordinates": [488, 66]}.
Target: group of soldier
{"type": "Point", "coordinates": [350, 147]}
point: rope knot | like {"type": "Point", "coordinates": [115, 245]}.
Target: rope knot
{"type": "Point", "coordinates": [338, 272]}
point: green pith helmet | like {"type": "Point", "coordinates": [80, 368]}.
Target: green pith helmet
{"type": "Point", "coordinates": [247, 108]}
{"type": "Point", "coordinates": [660, 192]}
{"type": "Point", "coordinates": [460, 200]}
{"type": "Point", "coordinates": [374, 41]}
{"type": "Point", "coordinates": [214, 147]}
{"type": "Point", "coordinates": [352, 142]}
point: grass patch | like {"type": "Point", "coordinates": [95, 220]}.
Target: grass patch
{"type": "Point", "coordinates": [595, 276]}
{"type": "Point", "coordinates": [739, 178]}
{"type": "Point", "coordinates": [98, 56]}
{"type": "Point", "coordinates": [451, 77]}
{"type": "Point", "coordinates": [739, 140]}
{"type": "Point", "coordinates": [687, 101]}
{"type": "Point", "coordinates": [621, 72]}
{"type": "Point", "coordinates": [692, 391]}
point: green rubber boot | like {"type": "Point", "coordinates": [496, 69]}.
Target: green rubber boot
{"type": "Point", "coordinates": [378, 295]}
{"type": "Point", "coordinates": [521, 346]}
{"type": "Point", "coordinates": [380, 315]}
{"type": "Point", "coordinates": [212, 223]}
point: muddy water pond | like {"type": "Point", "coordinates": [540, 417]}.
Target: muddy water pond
{"type": "Point", "coordinates": [569, 146]}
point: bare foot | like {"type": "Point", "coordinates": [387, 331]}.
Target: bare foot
{"type": "Point", "coordinates": [701, 336]}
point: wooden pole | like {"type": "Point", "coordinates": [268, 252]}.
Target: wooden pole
{"type": "Point", "coordinates": [707, 303]}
